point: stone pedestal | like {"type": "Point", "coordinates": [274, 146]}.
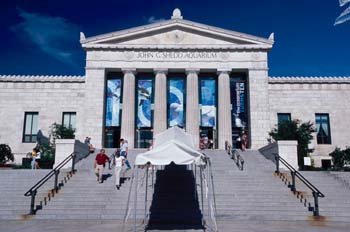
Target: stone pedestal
{"type": "Point", "coordinates": [65, 147]}
{"type": "Point", "coordinates": [224, 109]}
{"type": "Point", "coordinates": [192, 105]}
{"type": "Point", "coordinates": [160, 102]}
{"type": "Point", "coordinates": [128, 109]}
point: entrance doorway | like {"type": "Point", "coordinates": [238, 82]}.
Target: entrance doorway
{"type": "Point", "coordinates": [112, 137]}
{"type": "Point", "coordinates": [144, 138]}
{"type": "Point", "coordinates": [208, 137]}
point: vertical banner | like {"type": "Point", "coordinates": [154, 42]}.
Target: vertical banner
{"type": "Point", "coordinates": [208, 101]}
{"type": "Point", "coordinates": [176, 102]}
{"type": "Point", "coordinates": [238, 99]}
{"type": "Point", "coordinates": [113, 102]}
{"type": "Point", "coordinates": [144, 103]}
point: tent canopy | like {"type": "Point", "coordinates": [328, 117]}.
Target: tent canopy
{"type": "Point", "coordinates": [172, 145]}
{"type": "Point", "coordinates": [174, 133]}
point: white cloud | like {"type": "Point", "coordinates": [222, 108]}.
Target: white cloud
{"type": "Point", "coordinates": [343, 17]}
{"type": "Point", "coordinates": [153, 19]}
{"type": "Point", "coordinates": [55, 36]}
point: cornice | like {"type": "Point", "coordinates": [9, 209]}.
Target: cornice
{"type": "Point", "coordinates": [41, 78]}
{"type": "Point", "coordinates": [233, 47]}
{"type": "Point", "coordinates": [310, 79]}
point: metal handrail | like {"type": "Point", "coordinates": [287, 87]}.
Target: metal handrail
{"type": "Point", "coordinates": [234, 154]}
{"type": "Point", "coordinates": [54, 172]}
{"type": "Point", "coordinates": [316, 193]}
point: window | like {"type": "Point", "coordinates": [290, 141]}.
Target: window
{"type": "Point", "coordinates": [30, 127]}
{"type": "Point", "coordinates": [69, 120]}
{"type": "Point", "coordinates": [283, 117]}
{"type": "Point", "coordinates": [323, 129]}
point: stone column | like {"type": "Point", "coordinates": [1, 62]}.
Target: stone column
{"type": "Point", "coordinates": [92, 123]}
{"type": "Point", "coordinates": [192, 105]}
{"type": "Point", "coordinates": [160, 102]}
{"type": "Point", "coordinates": [128, 110]}
{"type": "Point", "coordinates": [258, 108]}
{"type": "Point", "coordinates": [224, 108]}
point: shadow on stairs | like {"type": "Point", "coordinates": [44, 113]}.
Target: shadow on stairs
{"type": "Point", "coordinates": [175, 204]}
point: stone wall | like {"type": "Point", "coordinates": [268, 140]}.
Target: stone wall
{"type": "Point", "coordinates": [304, 97]}
{"type": "Point", "coordinates": [50, 97]}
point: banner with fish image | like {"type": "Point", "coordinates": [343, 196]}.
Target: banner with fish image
{"type": "Point", "coordinates": [176, 103]}
{"type": "Point", "coordinates": [208, 101]}
{"type": "Point", "coordinates": [113, 102]}
{"type": "Point", "coordinates": [238, 101]}
{"type": "Point", "coordinates": [144, 103]}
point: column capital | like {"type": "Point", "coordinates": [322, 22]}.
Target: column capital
{"type": "Point", "coordinates": [160, 70]}
{"type": "Point", "coordinates": [129, 70]}
{"type": "Point", "coordinates": [223, 71]}
{"type": "Point", "coordinates": [192, 70]}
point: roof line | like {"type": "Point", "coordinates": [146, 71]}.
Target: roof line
{"type": "Point", "coordinates": [42, 78]}
{"type": "Point", "coordinates": [175, 22]}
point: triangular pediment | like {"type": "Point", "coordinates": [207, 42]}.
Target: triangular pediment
{"type": "Point", "coordinates": [176, 32]}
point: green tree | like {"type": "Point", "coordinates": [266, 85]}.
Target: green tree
{"type": "Point", "coordinates": [339, 156]}
{"type": "Point", "coordinates": [295, 130]}
{"type": "Point", "coordinates": [57, 131]}
{"type": "Point", "coordinates": [6, 154]}
{"type": "Point", "coordinates": [61, 132]}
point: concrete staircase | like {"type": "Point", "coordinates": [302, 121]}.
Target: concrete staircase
{"type": "Point", "coordinates": [13, 185]}
{"type": "Point", "coordinates": [84, 198]}
{"type": "Point", "coordinates": [252, 196]}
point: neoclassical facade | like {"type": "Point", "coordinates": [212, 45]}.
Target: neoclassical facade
{"type": "Point", "coordinates": [140, 81]}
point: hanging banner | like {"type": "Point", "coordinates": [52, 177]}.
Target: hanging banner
{"type": "Point", "coordinates": [113, 102]}
{"type": "Point", "coordinates": [176, 103]}
{"type": "Point", "coordinates": [208, 101]}
{"type": "Point", "coordinates": [238, 101]}
{"type": "Point", "coordinates": [144, 103]}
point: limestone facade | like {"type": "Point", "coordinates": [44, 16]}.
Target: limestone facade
{"type": "Point", "coordinates": [161, 49]}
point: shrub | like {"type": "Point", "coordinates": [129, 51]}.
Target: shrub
{"type": "Point", "coordinates": [61, 132]}
{"type": "Point", "coordinates": [295, 130]}
{"type": "Point", "coordinates": [339, 156]}
{"type": "Point", "coordinates": [5, 154]}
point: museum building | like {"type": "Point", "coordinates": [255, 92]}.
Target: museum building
{"type": "Point", "coordinates": [140, 81]}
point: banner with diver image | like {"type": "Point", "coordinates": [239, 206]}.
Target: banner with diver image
{"type": "Point", "coordinates": [238, 101]}
{"type": "Point", "coordinates": [144, 103]}
{"type": "Point", "coordinates": [208, 102]}
{"type": "Point", "coordinates": [176, 103]}
{"type": "Point", "coordinates": [113, 102]}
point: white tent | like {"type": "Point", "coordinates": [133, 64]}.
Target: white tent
{"type": "Point", "coordinates": [172, 145]}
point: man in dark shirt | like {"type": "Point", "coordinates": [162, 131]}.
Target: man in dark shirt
{"type": "Point", "coordinates": [100, 160]}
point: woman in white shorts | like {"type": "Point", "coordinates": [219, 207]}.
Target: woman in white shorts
{"type": "Point", "coordinates": [119, 163]}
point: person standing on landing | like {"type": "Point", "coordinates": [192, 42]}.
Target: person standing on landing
{"type": "Point", "coordinates": [99, 164]}
{"type": "Point", "coordinates": [119, 163]}
{"type": "Point", "coordinates": [244, 141]}
{"type": "Point", "coordinates": [124, 152]}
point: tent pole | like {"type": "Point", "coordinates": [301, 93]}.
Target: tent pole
{"type": "Point", "coordinates": [208, 179]}
{"type": "Point", "coordinates": [201, 177]}
{"type": "Point", "coordinates": [135, 197]}
{"type": "Point", "coordinates": [152, 176]}
{"type": "Point", "coordinates": [195, 183]}
{"type": "Point", "coordinates": [146, 193]}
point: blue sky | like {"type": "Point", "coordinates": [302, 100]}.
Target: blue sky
{"type": "Point", "coordinates": [42, 37]}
